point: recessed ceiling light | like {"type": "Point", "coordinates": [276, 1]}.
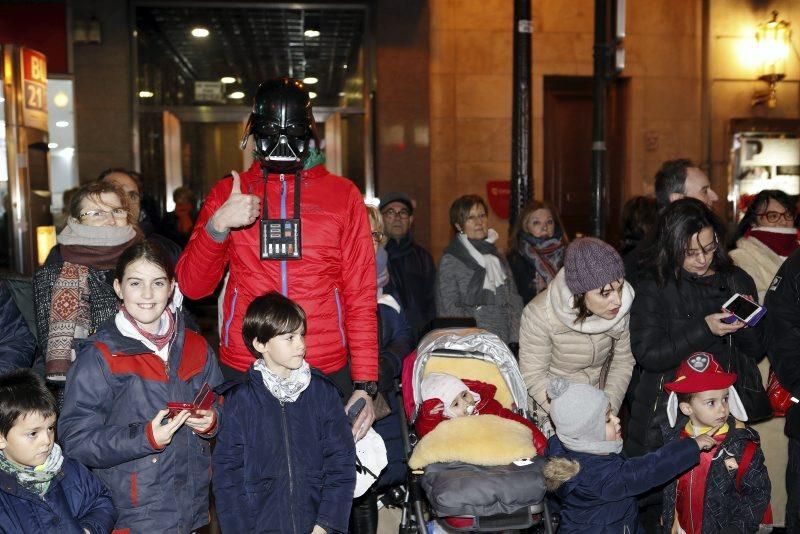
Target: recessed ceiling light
{"type": "Point", "coordinates": [311, 33]}
{"type": "Point", "coordinates": [236, 94]}
{"type": "Point", "coordinates": [311, 80]}
{"type": "Point", "coordinates": [62, 124]}
{"type": "Point", "coordinates": [52, 145]}
{"type": "Point", "coordinates": [342, 93]}
{"type": "Point", "coordinates": [344, 66]}
{"type": "Point", "coordinates": [200, 32]}
{"type": "Point", "coordinates": [61, 100]}
{"type": "Point", "coordinates": [228, 79]}
{"type": "Point", "coordinates": [312, 94]}
{"type": "Point", "coordinates": [145, 94]}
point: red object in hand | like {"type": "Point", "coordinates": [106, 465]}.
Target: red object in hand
{"type": "Point", "coordinates": [779, 397]}
{"type": "Point", "coordinates": [203, 401]}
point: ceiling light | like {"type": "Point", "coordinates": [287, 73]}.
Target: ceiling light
{"type": "Point", "coordinates": [200, 32]}
{"type": "Point", "coordinates": [61, 100]}
{"type": "Point", "coordinates": [145, 94]}
{"type": "Point", "coordinates": [311, 33]}
{"type": "Point", "coordinates": [311, 80]}
{"type": "Point", "coordinates": [344, 66]}
{"type": "Point", "coordinates": [62, 124]}
{"type": "Point", "coordinates": [236, 94]}
{"type": "Point", "coordinates": [342, 93]}
{"type": "Point", "coordinates": [52, 145]}
{"type": "Point", "coordinates": [312, 94]}
{"type": "Point", "coordinates": [228, 79]}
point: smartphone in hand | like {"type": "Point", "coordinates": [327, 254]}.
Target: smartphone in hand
{"type": "Point", "coordinates": [355, 409]}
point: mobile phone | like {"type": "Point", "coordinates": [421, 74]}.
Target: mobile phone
{"type": "Point", "coordinates": [202, 401]}
{"type": "Point", "coordinates": [355, 409]}
{"type": "Point", "coordinates": [743, 309]}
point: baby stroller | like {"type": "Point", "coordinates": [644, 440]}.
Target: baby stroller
{"type": "Point", "coordinates": [464, 496]}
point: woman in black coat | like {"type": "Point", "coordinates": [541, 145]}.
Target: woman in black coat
{"type": "Point", "coordinates": [677, 310]}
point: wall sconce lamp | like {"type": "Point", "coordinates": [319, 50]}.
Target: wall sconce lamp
{"type": "Point", "coordinates": [773, 44]}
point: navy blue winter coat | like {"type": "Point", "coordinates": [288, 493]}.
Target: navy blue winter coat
{"type": "Point", "coordinates": [395, 344]}
{"type": "Point", "coordinates": [109, 402]}
{"type": "Point", "coordinates": [17, 344]}
{"type": "Point", "coordinates": [75, 500]}
{"type": "Point", "coordinates": [601, 498]}
{"type": "Point", "coordinates": [283, 467]}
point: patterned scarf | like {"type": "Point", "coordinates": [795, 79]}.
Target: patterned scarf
{"type": "Point", "coordinates": [285, 389]}
{"type": "Point", "coordinates": [159, 340]}
{"type": "Point", "coordinates": [70, 318]}
{"type": "Point", "coordinates": [545, 255]}
{"type": "Point", "coordinates": [35, 479]}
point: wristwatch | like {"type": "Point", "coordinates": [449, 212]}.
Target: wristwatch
{"type": "Point", "coordinates": [371, 388]}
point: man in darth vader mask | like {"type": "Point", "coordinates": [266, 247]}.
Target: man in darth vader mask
{"type": "Point", "coordinates": [286, 224]}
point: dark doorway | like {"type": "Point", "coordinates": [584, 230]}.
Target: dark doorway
{"type": "Point", "coordinates": [568, 152]}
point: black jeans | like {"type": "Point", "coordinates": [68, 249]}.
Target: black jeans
{"type": "Point", "coordinates": [793, 487]}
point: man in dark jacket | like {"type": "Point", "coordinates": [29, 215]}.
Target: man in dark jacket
{"type": "Point", "coordinates": [411, 267]}
{"type": "Point", "coordinates": [783, 331]}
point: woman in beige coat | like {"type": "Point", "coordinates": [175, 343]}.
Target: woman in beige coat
{"type": "Point", "coordinates": [578, 327]}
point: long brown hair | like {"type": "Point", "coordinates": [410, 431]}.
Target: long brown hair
{"type": "Point", "coordinates": [522, 219]}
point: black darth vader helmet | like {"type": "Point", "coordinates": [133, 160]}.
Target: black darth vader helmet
{"type": "Point", "coordinates": [282, 125]}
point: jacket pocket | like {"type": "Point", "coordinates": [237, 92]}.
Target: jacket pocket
{"type": "Point", "coordinates": [139, 483]}
{"type": "Point", "coordinates": [340, 322]}
{"type": "Point", "coordinates": [231, 312]}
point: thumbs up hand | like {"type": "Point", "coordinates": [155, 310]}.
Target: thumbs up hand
{"type": "Point", "coordinates": [239, 210]}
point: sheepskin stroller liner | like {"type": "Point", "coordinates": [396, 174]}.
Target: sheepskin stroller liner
{"type": "Point", "coordinates": [476, 354]}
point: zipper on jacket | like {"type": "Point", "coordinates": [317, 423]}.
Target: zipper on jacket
{"type": "Point", "coordinates": [284, 280]}
{"type": "Point", "coordinates": [230, 317]}
{"type": "Point", "coordinates": [289, 463]}
{"type": "Point", "coordinates": [339, 315]}
{"type": "Point", "coordinates": [658, 395]}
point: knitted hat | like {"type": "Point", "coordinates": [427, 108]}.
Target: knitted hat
{"type": "Point", "coordinates": [395, 196]}
{"type": "Point", "coordinates": [578, 411]}
{"type": "Point", "coordinates": [590, 263]}
{"type": "Point", "coordinates": [701, 372]}
{"type": "Point", "coordinates": [446, 388]}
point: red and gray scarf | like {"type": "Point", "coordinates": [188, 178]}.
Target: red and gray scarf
{"type": "Point", "coordinates": [545, 255]}
{"type": "Point", "coordinates": [81, 247]}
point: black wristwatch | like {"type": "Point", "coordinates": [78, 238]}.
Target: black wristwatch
{"type": "Point", "coordinates": [371, 388]}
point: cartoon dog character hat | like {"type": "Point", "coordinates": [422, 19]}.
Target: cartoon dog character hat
{"type": "Point", "coordinates": [701, 372]}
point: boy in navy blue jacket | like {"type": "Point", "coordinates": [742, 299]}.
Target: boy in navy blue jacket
{"type": "Point", "coordinates": [601, 497]}
{"type": "Point", "coordinates": [40, 490]}
{"type": "Point", "coordinates": [285, 458]}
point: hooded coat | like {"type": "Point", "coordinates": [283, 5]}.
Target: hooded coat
{"type": "Point", "coordinates": [552, 344]}
{"type": "Point", "coordinates": [601, 498]}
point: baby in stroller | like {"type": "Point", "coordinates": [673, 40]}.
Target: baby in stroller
{"type": "Point", "coordinates": [479, 458]}
{"type": "Point", "coordinates": [445, 396]}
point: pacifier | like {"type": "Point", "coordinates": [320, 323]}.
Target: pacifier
{"type": "Point", "coordinates": [470, 409]}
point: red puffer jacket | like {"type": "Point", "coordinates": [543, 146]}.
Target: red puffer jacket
{"type": "Point", "coordinates": [334, 281]}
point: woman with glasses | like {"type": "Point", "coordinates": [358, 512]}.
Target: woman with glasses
{"type": "Point", "coordinates": [73, 293]}
{"type": "Point", "coordinates": [474, 279]}
{"type": "Point", "coordinates": [688, 276]}
{"type": "Point", "coordinates": [766, 235]}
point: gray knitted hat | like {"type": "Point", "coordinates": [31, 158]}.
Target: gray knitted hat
{"type": "Point", "coordinates": [590, 263]}
{"type": "Point", "coordinates": [578, 411]}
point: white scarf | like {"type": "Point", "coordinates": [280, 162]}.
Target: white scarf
{"type": "Point", "coordinates": [285, 389]}
{"type": "Point", "coordinates": [495, 275]}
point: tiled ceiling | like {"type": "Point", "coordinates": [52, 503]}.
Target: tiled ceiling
{"type": "Point", "coordinates": [251, 44]}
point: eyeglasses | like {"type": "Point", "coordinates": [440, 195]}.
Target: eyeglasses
{"type": "Point", "coordinates": [392, 213]}
{"type": "Point", "coordinates": [709, 250]}
{"type": "Point", "coordinates": [98, 215]}
{"type": "Point", "coordinates": [378, 236]}
{"type": "Point", "coordinates": [775, 216]}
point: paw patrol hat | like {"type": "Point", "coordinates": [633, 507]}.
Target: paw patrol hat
{"type": "Point", "coordinates": [701, 372]}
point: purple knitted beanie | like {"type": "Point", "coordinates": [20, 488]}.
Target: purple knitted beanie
{"type": "Point", "coordinates": [590, 263]}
